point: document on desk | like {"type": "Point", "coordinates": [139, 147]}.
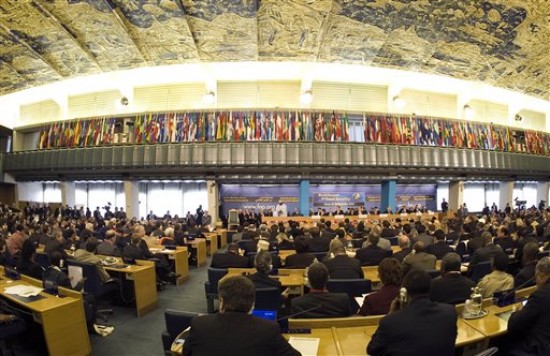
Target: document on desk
{"type": "Point", "coordinates": [23, 290]}
{"type": "Point", "coordinates": [307, 346]}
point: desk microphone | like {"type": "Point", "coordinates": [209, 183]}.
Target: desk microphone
{"type": "Point", "coordinates": [300, 313]}
{"type": "Point", "coordinates": [513, 291]}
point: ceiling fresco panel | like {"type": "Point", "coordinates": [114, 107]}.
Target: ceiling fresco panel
{"type": "Point", "coordinates": [500, 42]}
{"type": "Point", "coordinates": [224, 30]}
{"type": "Point", "coordinates": [160, 30]}
{"type": "Point", "coordinates": [292, 29]}
{"type": "Point", "coordinates": [96, 29]}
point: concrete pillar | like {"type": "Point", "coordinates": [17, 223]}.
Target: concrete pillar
{"type": "Point", "coordinates": [388, 195]}
{"type": "Point", "coordinates": [68, 193]}
{"type": "Point", "coordinates": [213, 200]}
{"type": "Point", "coordinates": [456, 195]}
{"type": "Point", "coordinates": [506, 195]}
{"type": "Point", "coordinates": [542, 193]}
{"type": "Point", "coordinates": [305, 189]}
{"type": "Point", "coordinates": [131, 192]}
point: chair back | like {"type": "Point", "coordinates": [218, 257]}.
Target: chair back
{"type": "Point", "coordinates": [92, 282]}
{"type": "Point", "coordinates": [214, 276]}
{"type": "Point", "coordinates": [268, 298]}
{"type": "Point", "coordinates": [177, 321]}
{"type": "Point", "coordinates": [42, 259]}
{"type": "Point", "coordinates": [352, 287]}
{"type": "Point", "coordinates": [480, 270]}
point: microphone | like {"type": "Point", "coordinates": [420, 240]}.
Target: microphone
{"type": "Point", "coordinates": [283, 322]}
{"type": "Point", "coordinates": [319, 306]}
{"type": "Point", "coordinates": [513, 290]}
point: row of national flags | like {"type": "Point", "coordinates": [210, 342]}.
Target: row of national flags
{"type": "Point", "coordinates": [292, 126]}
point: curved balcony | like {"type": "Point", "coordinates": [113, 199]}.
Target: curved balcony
{"type": "Point", "coordinates": [261, 161]}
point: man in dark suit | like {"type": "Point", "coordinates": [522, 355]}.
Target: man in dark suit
{"type": "Point", "coordinates": [486, 253]}
{"type": "Point", "coordinates": [405, 246]}
{"type": "Point", "coordinates": [504, 240]}
{"type": "Point", "coordinates": [372, 254]}
{"type": "Point", "coordinates": [320, 302]}
{"type": "Point", "coordinates": [418, 259]}
{"type": "Point", "coordinates": [451, 287]}
{"type": "Point", "coordinates": [440, 247]}
{"type": "Point", "coordinates": [301, 259]}
{"type": "Point", "coordinates": [343, 267]}
{"type": "Point", "coordinates": [434, 325]}
{"type": "Point", "coordinates": [318, 243]}
{"type": "Point", "coordinates": [233, 331]}
{"type": "Point", "coordinates": [529, 328]}
{"type": "Point", "coordinates": [229, 259]}
{"type": "Point", "coordinates": [526, 276]}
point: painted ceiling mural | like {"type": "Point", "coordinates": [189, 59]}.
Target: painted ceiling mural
{"type": "Point", "coordinates": [505, 43]}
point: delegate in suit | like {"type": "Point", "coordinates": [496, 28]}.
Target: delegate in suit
{"type": "Point", "coordinates": [233, 331]}
{"type": "Point", "coordinates": [421, 327]}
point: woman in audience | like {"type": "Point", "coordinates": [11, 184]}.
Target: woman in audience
{"type": "Point", "coordinates": [379, 302]}
{"type": "Point", "coordinates": [26, 264]}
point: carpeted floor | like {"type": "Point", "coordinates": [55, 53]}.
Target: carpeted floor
{"type": "Point", "coordinates": [141, 336]}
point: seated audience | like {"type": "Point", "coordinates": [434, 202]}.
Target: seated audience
{"type": "Point", "coordinates": [54, 243]}
{"type": "Point", "coordinates": [302, 258]}
{"type": "Point", "coordinates": [264, 245]}
{"type": "Point", "coordinates": [283, 242]}
{"type": "Point", "coordinates": [229, 259]}
{"type": "Point", "coordinates": [318, 243]}
{"type": "Point", "coordinates": [243, 334]}
{"type": "Point", "coordinates": [88, 256]}
{"type": "Point", "coordinates": [526, 276]}
{"type": "Point", "coordinates": [372, 254]}
{"type": "Point", "coordinates": [485, 253]}
{"type": "Point", "coordinates": [341, 266]}
{"type": "Point", "coordinates": [319, 301]}
{"type": "Point", "coordinates": [451, 287]}
{"type": "Point", "coordinates": [377, 303]}
{"type": "Point", "coordinates": [405, 246]}
{"type": "Point", "coordinates": [440, 247]}
{"type": "Point", "coordinates": [418, 259]}
{"type": "Point", "coordinates": [420, 327]}
{"type": "Point", "coordinates": [108, 246]}
{"type": "Point", "coordinates": [263, 264]}
{"type": "Point", "coordinates": [26, 264]}
{"type": "Point", "coordinates": [498, 280]}
{"type": "Point", "coordinates": [529, 327]}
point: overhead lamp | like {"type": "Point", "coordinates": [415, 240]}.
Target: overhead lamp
{"type": "Point", "coordinates": [209, 98]}
{"type": "Point", "coordinates": [307, 97]}
{"type": "Point", "coordinates": [398, 102]}
{"type": "Point", "coordinates": [468, 112]}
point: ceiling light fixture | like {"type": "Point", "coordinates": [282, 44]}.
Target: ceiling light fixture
{"type": "Point", "coordinates": [307, 97]}
{"type": "Point", "coordinates": [399, 103]}
{"type": "Point", "coordinates": [518, 117]}
{"type": "Point", "coordinates": [209, 98]}
{"type": "Point", "coordinates": [468, 112]}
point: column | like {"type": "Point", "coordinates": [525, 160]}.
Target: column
{"type": "Point", "coordinates": [68, 193]}
{"type": "Point", "coordinates": [506, 195]}
{"type": "Point", "coordinates": [213, 200]}
{"type": "Point", "coordinates": [304, 195]}
{"type": "Point", "coordinates": [542, 193]}
{"type": "Point", "coordinates": [388, 195]}
{"type": "Point", "coordinates": [131, 192]}
{"type": "Point", "coordinates": [456, 195]}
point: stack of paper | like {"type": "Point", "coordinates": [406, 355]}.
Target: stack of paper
{"type": "Point", "coordinates": [23, 290]}
{"type": "Point", "coordinates": [307, 346]}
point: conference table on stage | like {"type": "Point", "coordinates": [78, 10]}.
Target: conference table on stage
{"type": "Point", "coordinates": [308, 220]}
{"type": "Point", "coordinates": [63, 335]}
